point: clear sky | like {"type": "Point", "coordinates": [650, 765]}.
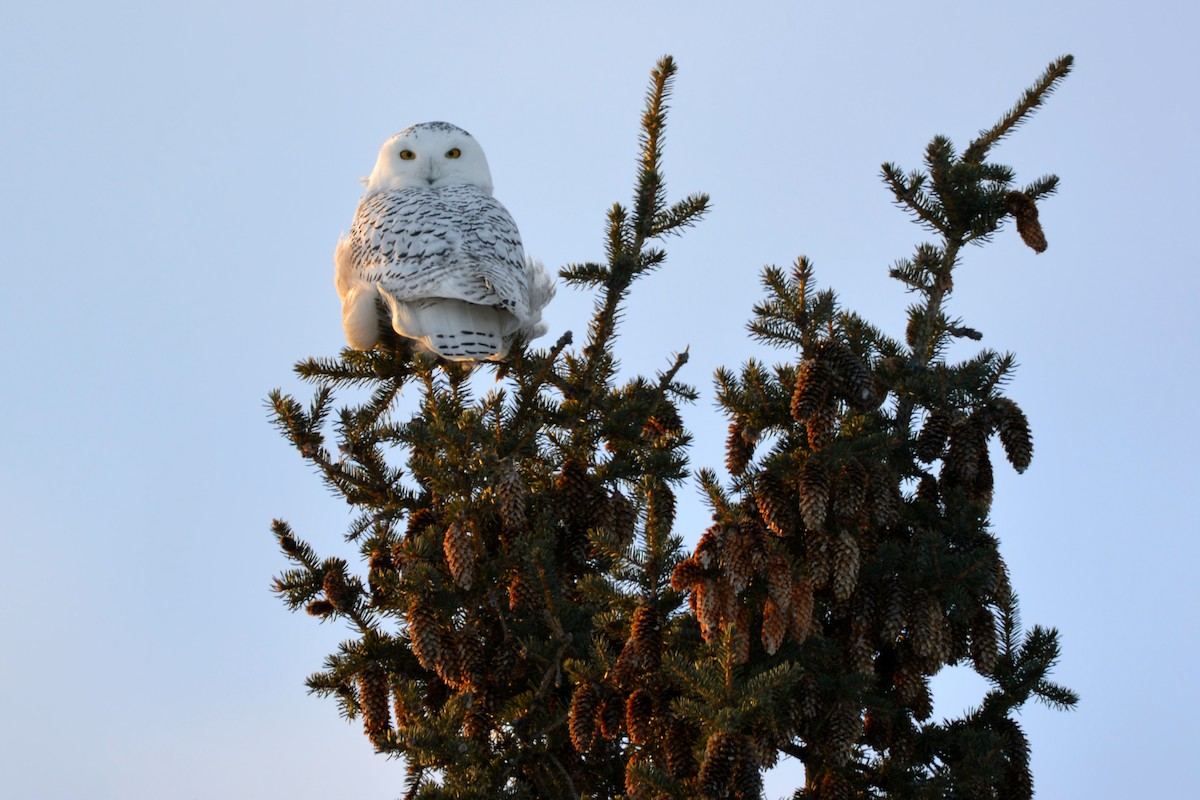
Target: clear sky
{"type": "Point", "coordinates": [173, 177]}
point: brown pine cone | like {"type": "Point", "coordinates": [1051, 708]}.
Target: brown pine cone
{"type": "Point", "coordinates": [424, 636]}
{"type": "Point", "coordinates": [1024, 211]}
{"type": "Point", "coordinates": [1015, 435]}
{"type": "Point", "coordinates": [846, 562]}
{"type": "Point", "coordinates": [581, 720]}
{"type": "Point", "coordinates": [774, 626]}
{"type": "Point", "coordinates": [679, 745]}
{"type": "Point", "coordinates": [774, 505]}
{"type": "Point", "coordinates": [510, 498]}
{"type": "Point", "coordinates": [639, 716]}
{"type": "Point", "coordinates": [739, 449]}
{"type": "Point", "coordinates": [373, 699]}
{"type": "Point", "coordinates": [814, 494]}
{"type": "Point", "coordinates": [460, 554]}
{"type": "Point", "coordinates": [814, 384]}
{"type": "Point", "coordinates": [646, 635]}
{"type": "Point", "coordinates": [931, 441]}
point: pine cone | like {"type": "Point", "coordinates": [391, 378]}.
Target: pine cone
{"type": "Point", "coordinates": [708, 549]}
{"type": "Point", "coordinates": [404, 716]}
{"type": "Point", "coordinates": [423, 634]}
{"type": "Point", "coordinates": [774, 626]}
{"type": "Point", "coordinates": [913, 688]}
{"type": "Point", "coordinates": [611, 716]}
{"type": "Point", "coordinates": [835, 786]}
{"type": "Point", "coordinates": [419, 520]}
{"type": "Point", "coordinates": [575, 488]}
{"type": "Point", "coordinates": [822, 427]}
{"type": "Point", "coordinates": [845, 727]}
{"type": "Point", "coordinates": [450, 666]}
{"type": "Point", "coordinates": [510, 498]}
{"type": "Point", "coordinates": [985, 646]}
{"type": "Point", "coordinates": [818, 563]}
{"type": "Point", "coordinates": [739, 449]}
{"type": "Point", "coordinates": [581, 720]}
{"type": "Point", "coordinates": [472, 662]}
{"type": "Point", "coordinates": [339, 594]}
{"type": "Point", "coordinates": [1024, 211]}
{"type": "Point", "coordinates": [981, 488]}
{"type": "Point", "coordinates": [814, 382]}
{"type": "Point", "coordinates": [893, 613]}
{"type": "Point", "coordinates": [660, 510]}
{"type": "Point", "coordinates": [801, 610]}
{"type": "Point", "coordinates": [624, 517]}
{"type": "Point", "coordinates": [930, 639]}
{"type": "Point", "coordinates": [814, 494]}
{"type": "Point", "coordinates": [860, 654]}
{"type": "Point", "coordinates": [686, 574]}
{"type": "Point", "coordinates": [664, 421]}
{"type": "Point", "coordinates": [320, 608]}
{"type": "Point", "coordinates": [779, 580]}
{"type": "Point", "coordinates": [720, 760]}
{"type": "Point", "coordinates": [927, 490]}
{"type": "Point", "coordinates": [1015, 435]}
{"type": "Point", "coordinates": [708, 608]}
{"type": "Point", "coordinates": [773, 504]}
{"type": "Point", "coordinates": [646, 634]}
{"type": "Point", "coordinates": [737, 558]}
{"type": "Point", "coordinates": [845, 565]}
{"type": "Point", "coordinates": [460, 554]}
{"type": "Point", "coordinates": [639, 716]}
{"type": "Point", "coordinates": [747, 776]}
{"type": "Point", "coordinates": [850, 375]}
{"type": "Point", "coordinates": [968, 444]}
{"type": "Point", "coordinates": [679, 746]}
{"type": "Point", "coordinates": [931, 441]}
{"type": "Point", "coordinates": [764, 742]}
{"type": "Point", "coordinates": [475, 720]}
{"type": "Point", "coordinates": [887, 503]}
{"type": "Point", "coordinates": [851, 490]}
{"type": "Point", "coordinates": [381, 575]}
{"type": "Point", "coordinates": [1001, 591]}
{"type": "Point", "coordinates": [628, 664]}
{"type": "Point", "coordinates": [373, 697]}
{"type": "Point", "coordinates": [521, 594]}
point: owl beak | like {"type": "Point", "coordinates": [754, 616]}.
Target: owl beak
{"type": "Point", "coordinates": [431, 174]}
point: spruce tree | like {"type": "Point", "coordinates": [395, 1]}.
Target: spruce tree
{"type": "Point", "coordinates": [526, 620]}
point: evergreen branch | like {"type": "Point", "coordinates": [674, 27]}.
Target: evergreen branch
{"type": "Point", "coordinates": [961, 331]}
{"type": "Point", "coordinates": [1029, 102]}
{"type": "Point", "coordinates": [908, 193]}
{"type": "Point", "coordinates": [665, 379]}
{"type": "Point", "coordinates": [684, 214]}
{"type": "Point", "coordinates": [1042, 187]}
{"type": "Point", "coordinates": [588, 274]}
{"type": "Point", "coordinates": [650, 190]}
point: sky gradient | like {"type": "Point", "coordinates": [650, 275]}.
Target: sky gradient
{"type": "Point", "coordinates": [173, 178]}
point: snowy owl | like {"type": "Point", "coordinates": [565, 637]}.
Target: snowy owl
{"type": "Point", "coordinates": [444, 256]}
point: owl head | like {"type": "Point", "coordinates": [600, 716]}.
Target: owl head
{"type": "Point", "coordinates": [430, 155]}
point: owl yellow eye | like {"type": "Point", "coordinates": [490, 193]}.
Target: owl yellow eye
{"type": "Point", "coordinates": [453, 152]}
{"type": "Point", "coordinates": [407, 155]}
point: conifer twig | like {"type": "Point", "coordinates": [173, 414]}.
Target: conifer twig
{"type": "Point", "coordinates": [1030, 100]}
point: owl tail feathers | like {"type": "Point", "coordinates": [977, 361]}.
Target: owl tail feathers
{"type": "Point", "coordinates": [360, 317]}
{"type": "Point", "coordinates": [541, 292]}
{"type": "Point", "coordinates": [453, 329]}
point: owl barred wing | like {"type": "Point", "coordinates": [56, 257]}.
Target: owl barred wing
{"type": "Point", "coordinates": [454, 242]}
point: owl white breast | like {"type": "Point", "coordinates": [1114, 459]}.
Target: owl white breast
{"type": "Point", "coordinates": [443, 256]}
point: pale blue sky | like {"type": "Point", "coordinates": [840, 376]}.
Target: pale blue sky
{"type": "Point", "coordinates": [173, 177]}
